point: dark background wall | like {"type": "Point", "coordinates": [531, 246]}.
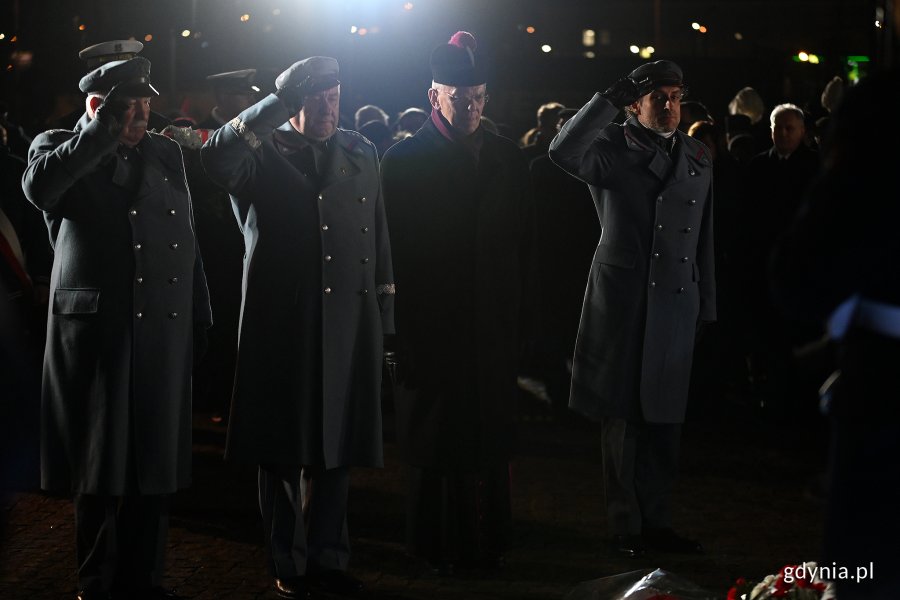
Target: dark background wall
{"type": "Point", "coordinates": [389, 65]}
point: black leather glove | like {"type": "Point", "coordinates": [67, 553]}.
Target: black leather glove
{"type": "Point", "coordinates": [292, 98]}
{"type": "Point", "coordinates": [111, 112]}
{"type": "Point", "coordinates": [626, 91]}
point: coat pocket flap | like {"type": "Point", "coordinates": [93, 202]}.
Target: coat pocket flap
{"type": "Point", "coordinates": [616, 256]}
{"type": "Point", "coordinates": [80, 301]}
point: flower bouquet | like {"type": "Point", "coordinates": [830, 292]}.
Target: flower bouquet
{"type": "Point", "coordinates": [793, 582]}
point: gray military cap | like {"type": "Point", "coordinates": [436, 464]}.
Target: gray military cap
{"type": "Point", "coordinates": [315, 74]}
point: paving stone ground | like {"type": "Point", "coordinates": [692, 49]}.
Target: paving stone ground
{"type": "Point", "coordinates": [747, 490]}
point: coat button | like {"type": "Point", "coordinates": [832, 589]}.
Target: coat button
{"type": "Point", "coordinates": [165, 178]}
{"type": "Point", "coordinates": [364, 261]}
{"type": "Point", "coordinates": [364, 229]}
{"type": "Point", "coordinates": [139, 280]}
{"type": "Point", "coordinates": [659, 198]}
{"type": "Point", "coordinates": [139, 316]}
{"type": "Point", "coordinates": [680, 290]}
{"type": "Point", "coordinates": [656, 255]}
{"type": "Point", "coordinates": [363, 199]}
{"type": "Point", "coordinates": [320, 197]}
{"type": "Point", "coordinates": [328, 290]}
{"type": "Point", "coordinates": [137, 246]}
{"type": "Point", "coordinates": [687, 229]}
{"type": "Point", "coordinates": [172, 211]}
{"type": "Point", "coordinates": [363, 292]}
{"type": "Point", "coordinates": [692, 202]}
{"type": "Point", "coordinates": [324, 227]}
{"type": "Point", "coordinates": [343, 171]}
{"type": "Point", "coordinates": [684, 259]}
{"type": "Point", "coordinates": [174, 245]}
{"type": "Point", "coordinates": [173, 280]}
{"type": "Point", "coordinates": [327, 258]}
{"type": "Point", "coordinates": [652, 284]}
{"type": "Point", "coordinates": [173, 315]}
{"type": "Point", "coordinates": [659, 227]}
{"type": "Point", "coordinates": [132, 212]}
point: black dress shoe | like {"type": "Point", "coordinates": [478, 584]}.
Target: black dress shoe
{"type": "Point", "coordinates": [666, 540]}
{"type": "Point", "coordinates": [336, 582]}
{"type": "Point", "coordinates": [292, 587]}
{"type": "Point", "coordinates": [155, 593]}
{"type": "Point", "coordinates": [629, 546]}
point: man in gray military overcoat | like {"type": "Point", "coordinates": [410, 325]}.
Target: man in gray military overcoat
{"type": "Point", "coordinates": [317, 298]}
{"type": "Point", "coordinates": [651, 285]}
{"type": "Point", "coordinates": [128, 304]}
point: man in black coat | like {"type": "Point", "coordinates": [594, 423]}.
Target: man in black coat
{"type": "Point", "coordinates": [128, 305]}
{"type": "Point", "coordinates": [461, 215]}
{"type": "Point", "coordinates": [775, 183]}
{"type": "Point", "coordinates": [652, 283]}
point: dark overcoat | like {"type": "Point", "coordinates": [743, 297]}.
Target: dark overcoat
{"type": "Point", "coordinates": [126, 290]}
{"type": "Point", "coordinates": [462, 235]}
{"type": "Point", "coordinates": [653, 274]}
{"type": "Point", "coordinates": [317, 293]}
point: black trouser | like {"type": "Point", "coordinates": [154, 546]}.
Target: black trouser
{"type": "Point", "coordinates": [304, 518]}
{"type": "Point", "coordinates": [639, 471]}
{"type": "Point", "coordinates": [120, 541]}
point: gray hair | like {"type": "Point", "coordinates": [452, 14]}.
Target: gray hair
{"type": "Point", "coordinates": [787, 107]}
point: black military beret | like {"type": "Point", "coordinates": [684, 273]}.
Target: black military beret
{"type": "Point", "coordinates": [132, 76]}
{"type": "Point", "coordinates": [455, 62]}
{"type": "Point", "coordinates": [660, 72]}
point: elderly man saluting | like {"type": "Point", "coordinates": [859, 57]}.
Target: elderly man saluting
{"type": "Point", "coordinates": [318, 295]}
{"type": "Point", "coordinates": [128, 306]}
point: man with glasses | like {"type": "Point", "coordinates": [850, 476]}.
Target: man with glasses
{"type": "Point", "coordinates": [460, 210]}
{"type": "Point", "coordinates": [651, 286]}
{"type": "Point", "coordinates": [317, 299]}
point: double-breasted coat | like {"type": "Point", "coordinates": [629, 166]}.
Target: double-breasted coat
{"type": "Point", "coordinates": [126, 291]}
{"type": "Point", "coordinates": [652, 279]}
{"type": "Point", "coordinates": [463, 254]}
{"type": "Point", "coordinates": [317, 292]}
